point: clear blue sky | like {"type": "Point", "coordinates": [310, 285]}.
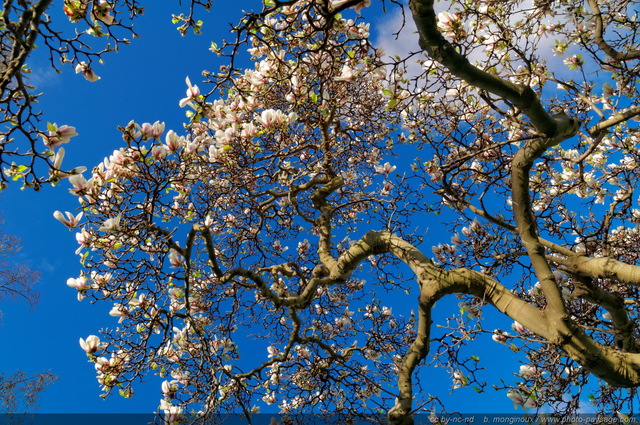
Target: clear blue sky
{"type": "Point", "coordinates": [143, 82]}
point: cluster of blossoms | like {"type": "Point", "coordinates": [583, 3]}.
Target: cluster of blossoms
{"type": "Point", "coordinates": [169, 220]}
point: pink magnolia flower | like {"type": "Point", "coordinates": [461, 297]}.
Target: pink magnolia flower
{"type": "Point", "coordinates": [528, 371]}
{"type": "Point", "coordinates": [169, 388]}
{"type": "Point", "coordinates": [79, 183]}
{"type": "Point", "coordinates": [70, 221]}
{"type": "Point", "coordinates": [518, 327]}
{"type": "Point", "coordinates": [573, 61]}
{"type": "Point", "coordinates": [92, 344]}
{"type": "Point", "coordinates": [193, 92]}
{"type": "Point", "coordinates": [303, 246]}
{"type": "Point", "coordinates": [347, 74]}
{"type": "Point", "coordinates": [500, 336]}
{"type": "Point", "coordinates": [111, 224]}
{"type": "Point", "coordinates": [337, 3]}
{"type": "Point", "coordinates": [519, 399]}
{"type": "Point", "coordinates": [607, 90]}
{"type": "Point", "coordinates": [270, 118]}
{"type": "Point", "coordinates": [152, 131]}
{"type": "Point", "coordinates": [58, 157]}
{"type": "Point", "coordinates": [79, 283]}
{"type": "Point", "coordinates": [173, 141]}
{"type": "Point", "coordinates": [365, 3]}
{"type": "Point", "coordinates": [87, 72]}
{"type": "Point", "coordinates": [447, 23]}
{"type": "Point", "coordinates": [385, 169]}
{"type": "Point", "coordinates": [159, 152]}
{"type": "Point", "coordinates": [278, 247]}
{"type": "Point", "coordinates": [141, 302]}
{"type": "Point", "coordinates": [119, 310]}
{"type": "Point", "coordinates": [269, 398]}
{"type": "Point", "coordinates": [175, 259]}
{"type": "Point", "coordinates": [83, 238]}
{"type": "Point", "coordinates": [58, 135]}
{"type": "Point", "coordinates": [459, 380]}
{"type": "Point", "coordinates": [273, 351]}
{"type": "Point", "coordinates": [101, 12]}
{"type": "Point", "coordinates": [75, 10]}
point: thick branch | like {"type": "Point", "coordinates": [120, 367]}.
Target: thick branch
{"type": "Point", "coordinates": [615, 367]}
{"type": "Point", "coordinates": [598, 34]}
{"type": "Point", "coordinates": [600, 268]}
{"type": "Point", "coordinates": [596, 129]}
{"type": "Point", "coordinates": [27, 26]}
{"type": "Point", "coordinates": [442, 51]}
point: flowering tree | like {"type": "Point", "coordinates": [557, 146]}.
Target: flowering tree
{"type": "Point", "coordinates": [94, 28]}
{"type": "Point", "coordinates": [19, 392]}
{"type": "Point", "coordinates": [288, 210]}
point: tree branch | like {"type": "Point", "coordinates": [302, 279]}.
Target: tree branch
{"type": "Point", "coordinates": [602, 44]}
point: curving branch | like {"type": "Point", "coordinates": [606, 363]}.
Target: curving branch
{"type": "Point", "coordinates": [618, 368]}
{"type": "Point", "coordinates": [522, 96]}
{"type": "Point", "coordinates": [598, 34]}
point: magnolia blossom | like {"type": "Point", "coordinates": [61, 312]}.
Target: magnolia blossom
{"type": "Point", "coordinates": [358, 7]}
{"type": "Point", "coordinates": [364, 3]}
{"type": "Point", "coordinates": [175, 259]}
{"type": "Point", "coordinates": [518, 327]}
{"type": "Point", "coordinates": [607, 90]}
{"type": "Point", "coordinates": [83, 238]}
{"type": "Point", "coordinates": [269, 398]}
{"type": "Point", "coordinates": [79, 183]}
{"type": "Point", "coordinates": [111, 224]}
{"type": "Point", "coordinates": [58, 135]}
{"type": "Point", "coordinates": [169, 388]}
{"type": "Point", "coordinates": [526, 401]}
{"type": "Point", "coordinates": [58, 157]}
{"type": "Point", "coordinates": [173, 141]}
{"type": "Point", "coordinates": [573, 61]}
{"type": "Point", "coordinates": [193, 92]}
{"type": "Point", "coordinates": [101, 12]}
{"type": "Point", "coordinates": [500, 336]}
{"type": "Point", "coordinates": [303, 246]}
{"type": "Point", "coordinates": [347, 74]}
{"type": "Point", "coordinates": [447, 23]}
{"type": "Point", "coordinates": [152, 131]}
{"type": "Point", "coordinates": [528, 371]}
{"type": "Point", "coordinates": [119, 310]}
{"type": "Point", "coordinates": [385, 169]}
{"type": "Point", "coordinates": [273, 351]}
{"type": "Point", "coordinates": [159, 152]}
{"type": "Point", "coordinates": [79, 283]}
{"type": "Point", "coordinates": [271, 118]}
{"type": "Point", "coordinates": [459, 380]}
{"type": "Point", "coordinates": [87, 72]}
{"type": "Point", "coordinates": [91, 345]}
{"type": "Point", "coordinates": [70, 221]}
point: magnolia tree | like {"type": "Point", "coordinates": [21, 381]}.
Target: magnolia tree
{"type": "Point", "coordinates": [75, 33]}
{"type": "Point", "coordinates": [253, 259]}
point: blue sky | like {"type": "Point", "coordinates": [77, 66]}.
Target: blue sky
{"type": "Point", "coordinates": [143, 82]}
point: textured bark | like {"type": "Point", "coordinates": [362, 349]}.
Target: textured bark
{"type": "Point", "coordinates": [618, 368]}
{"type": "Point", "coordinates": [551, 323]}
